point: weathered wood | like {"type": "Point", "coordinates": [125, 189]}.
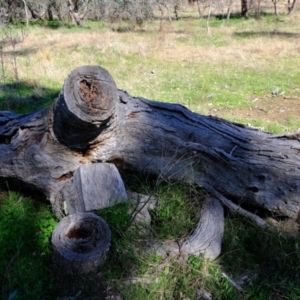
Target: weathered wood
{"type": "Point", "coordinates": [93, 122]}
{"type": "Point", "coordinates": [207, 237]}
{"type": "Point", "coordinates": [42, 150]}
{"type": "Point", "coordinates": [80, 243]}
{"type": "Point", "coordinates": [241, 163]}
{"type": "Point", "coordinates": [84, 107]}
{"type": "Point", "coordinates": [93, 186]}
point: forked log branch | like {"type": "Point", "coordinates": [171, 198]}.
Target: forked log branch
{"type": "Point", "coordinates": [93, 122]}
{"type": "Point", "coordinates": [206, 239]}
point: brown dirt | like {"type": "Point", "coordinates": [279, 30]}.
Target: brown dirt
{"type": "Point", "coordinates": [271, 108]}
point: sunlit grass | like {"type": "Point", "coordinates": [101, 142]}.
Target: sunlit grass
{"type": "Point", "coordinates": [236, 63]}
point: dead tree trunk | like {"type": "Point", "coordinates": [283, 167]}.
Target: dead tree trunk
{"type": "Point", "coordinates": [291, 6]}
{"type": "Point", "coordinates": [275, 7]}
{"type": "Point", "coordinates": [73, 11]}
{"type": "Point", "coordinates": [244, 8]}
{"type": "Point", "coordinates": [93, 122]}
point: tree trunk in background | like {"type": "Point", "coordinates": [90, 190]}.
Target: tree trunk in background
{"type": "Point", "coordinates": [35, 14]}
{"type": "Point", "coordinates": [244, 8]}
{"type": "Point", "coordinates": [93, 122]}
{"type": "Point", "coordinates": [73, 11]}
{"type": "Point", "coordinates": [291, 6]}
{"type": "Point", "coordinates": [26, 13]}
{"type": "Point", "coordinates": [12, 4]}
{"type": "Point", "coordinates": [50, 14]}
{"type": "Point", "coordinates": [199, 8]}
{"type": "Point", "coordinates": [275, 7]}
{"type": "Point", "coordinates": [208, 17]}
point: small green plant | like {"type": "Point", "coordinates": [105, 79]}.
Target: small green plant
{"type": "Point", "coordinates": [177, 211]}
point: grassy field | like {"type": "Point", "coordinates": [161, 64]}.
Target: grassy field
{"type": "Point", "coordinates": [246, 70]}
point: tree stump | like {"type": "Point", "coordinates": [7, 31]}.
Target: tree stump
{"type": "Point", "coordinates": [80, 243]}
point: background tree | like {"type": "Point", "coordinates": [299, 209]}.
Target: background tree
{"type": "Point", "coordinates": [73, 11]}
{"type": "Point", "coordinates": [291, 6]}
{"type": "Point", "coordinates": [244, 8]}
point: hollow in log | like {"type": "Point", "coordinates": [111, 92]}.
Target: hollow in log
{"type": "Point", "coordinates": [80, 243]}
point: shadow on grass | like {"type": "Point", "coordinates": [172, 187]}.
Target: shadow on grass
{"type": "Point", "coordinates": [24, 247]}
{"type": "Point", "coordinates": [24, 52]}
{"type": "Point", "coordinates": [57, 24]}
{"type": "Point", "coordinates": [23, 97]}
{"type": "Point", "coordinates": [273, 34]}
{"type": "Point", "coordinates": [268, 258]}
{"type": "Point", "coordinates": [263, 262]}
{"type": "Point", "coordinates": [26, 268]}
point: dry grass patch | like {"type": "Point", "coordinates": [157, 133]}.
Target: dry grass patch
{"type": "Point", "coordinates": [225, 70]}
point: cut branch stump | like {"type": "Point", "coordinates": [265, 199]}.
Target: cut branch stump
{"type": "Point", "coordinates": [80, 243]}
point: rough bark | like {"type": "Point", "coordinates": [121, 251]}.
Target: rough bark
{"type": "Point", "coordinates": [93, 122]}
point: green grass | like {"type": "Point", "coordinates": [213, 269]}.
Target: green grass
{"type": "Point", "coordinates": [268, 257]}
{"type": "Point", "coordinates": [24, 96]}
{"type": "Point", "coordinates": [225, 69]}
{"type": "Point", "coordinates": [25, 227]}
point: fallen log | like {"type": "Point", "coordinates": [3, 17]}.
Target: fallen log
{"type": "Point", "coordinates": [93, 122]}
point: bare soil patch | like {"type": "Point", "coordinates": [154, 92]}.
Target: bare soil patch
{"type": "Point", "coordinates": [270, 109]}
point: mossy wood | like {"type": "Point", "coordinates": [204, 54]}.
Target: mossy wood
{"type": "Point", "coordinates": [93, 122]}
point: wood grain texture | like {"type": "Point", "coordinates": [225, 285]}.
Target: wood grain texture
{"type": "Point", "coordinates": [80, 243]}
{"type": "Point", "coordinates": [84, 107]}
{"type": "Point", "coordinates": [93, 187]}
{"type": "Point", "coordinates": [207, 237]}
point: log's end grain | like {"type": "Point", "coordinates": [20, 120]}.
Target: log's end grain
{"type": "Point", "coordinates": [90, 93]}
{"type": "Point", "coordinates": [84, 107]}
{"type": "Point", "coordinates": [80, 243]}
